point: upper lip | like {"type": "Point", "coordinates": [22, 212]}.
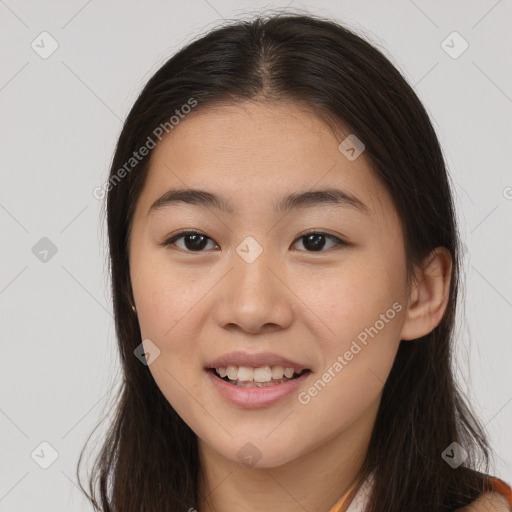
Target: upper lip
{"type": "Point", "coordinates": [239, 358]}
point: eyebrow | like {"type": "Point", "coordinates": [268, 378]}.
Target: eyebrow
{"type": "Point", "coordinates": [308, 199]}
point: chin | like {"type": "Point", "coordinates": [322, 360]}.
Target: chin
{"type": "Point", "coordinates": [260, 453]}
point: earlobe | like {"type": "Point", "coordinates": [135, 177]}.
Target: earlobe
{"type": "Point", "coordinates": [429, 295]}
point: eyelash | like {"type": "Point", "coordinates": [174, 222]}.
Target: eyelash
{"type": "Point", "coordinates": [181, 234]}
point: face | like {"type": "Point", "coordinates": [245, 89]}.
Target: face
{"type": "Point", "coordinates": [310, 283]}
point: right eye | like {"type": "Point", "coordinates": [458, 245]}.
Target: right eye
{"type": "Point", "coordinates": [194, 241]}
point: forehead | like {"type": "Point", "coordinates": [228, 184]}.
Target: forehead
{"type": "Point", "coordinates": [250, 133]}
{"type": "Point", "coordinates": [256, 153]}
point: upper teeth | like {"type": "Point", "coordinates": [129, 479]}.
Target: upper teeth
{"type": "Point", "coordinates": [260, 374]}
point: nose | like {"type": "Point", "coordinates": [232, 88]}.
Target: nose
{"type": "Point", "coordinates": [254, 297]}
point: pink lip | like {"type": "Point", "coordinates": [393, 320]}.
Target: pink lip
{"type": "Point", "coordinates": [239, 358]}
{"type": "Point", "coordinates": [254, 397]}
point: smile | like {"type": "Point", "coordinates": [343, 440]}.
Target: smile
{"type": "Point", "coordinates": [256, 392]}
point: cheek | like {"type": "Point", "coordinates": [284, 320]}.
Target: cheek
{"type": "Point", "coordinates": [353, 299]}
{"type": "Point", "coordinates": [366, 314]}
{"type": "Point", "coordinates": [167, 308]}
{"type": "Point", "coordinates": [366, 311]}
{"type": "Point", "coordinates": [165, 296]}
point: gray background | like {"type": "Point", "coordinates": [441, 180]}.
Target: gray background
{"type": "Point", "coordinates": [60, 118]}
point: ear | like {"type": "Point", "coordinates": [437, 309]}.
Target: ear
{"type": "Point", "coordinates": [429, 295]}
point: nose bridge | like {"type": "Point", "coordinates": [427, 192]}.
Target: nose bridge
{"type": "Point", "coordinates": [252, 262]}
{"type": "Point", "coordinates": [250, 250]}
{"type": "Point", "coordinates": [254, 296]}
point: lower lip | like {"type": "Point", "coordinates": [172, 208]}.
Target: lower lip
{"type": "Point", "coordinates": [256, 397]}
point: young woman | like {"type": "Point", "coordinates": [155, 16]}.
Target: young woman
{"type": "Point", "coordinates": [285, 268]}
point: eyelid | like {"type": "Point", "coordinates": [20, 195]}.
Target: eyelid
{"type": "Point", "coordinates": [319, 231]}
{"type": "Point", "coordinates": [170, 240]}
{"type": "Point", "coordinates": [339, 241]}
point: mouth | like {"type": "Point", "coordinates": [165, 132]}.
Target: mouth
{"type": "Point", "coordinates": [264, 376]}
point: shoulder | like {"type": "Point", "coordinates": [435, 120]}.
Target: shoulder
{"type": "Point", "coordinates": [488, 502]}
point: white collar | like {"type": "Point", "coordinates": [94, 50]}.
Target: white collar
{"type": "Point", "coordinates": [358, 503]}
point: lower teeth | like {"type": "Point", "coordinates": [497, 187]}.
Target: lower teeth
{"type": "Point", "coordinates": [252, 384]}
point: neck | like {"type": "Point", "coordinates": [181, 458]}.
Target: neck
{"type": "Point", "coordinates": [313, 481]}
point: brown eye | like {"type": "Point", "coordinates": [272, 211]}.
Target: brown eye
{"type": "Point", "coordinates": [195, 241]}
{"type": "Point", "coordinates": [316, 241]}
{"type": "Point", "coordinates": [192, 241]}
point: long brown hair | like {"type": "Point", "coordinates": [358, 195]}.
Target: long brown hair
{"type": "Point", "coordinates": [149, 458]}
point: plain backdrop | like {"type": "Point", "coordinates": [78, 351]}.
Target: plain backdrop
{"type": "Point", "coordinates": [60, 119]}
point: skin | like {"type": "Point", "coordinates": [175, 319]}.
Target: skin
{"type": "Point", "coordinates": [488, 502]}
{"type": "Point", "coordinates": [305, 304]}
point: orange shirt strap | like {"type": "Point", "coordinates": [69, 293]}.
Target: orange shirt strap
{"type": "Point", "coordinates": [339, 506]}
{"type": "Point", "coordinates": [497, 485]}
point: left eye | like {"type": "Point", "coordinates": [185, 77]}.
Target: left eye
{"type": "Point", "coordinates": [316, 240]}
{"type": "Point", "coordinates": [196, 241]}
